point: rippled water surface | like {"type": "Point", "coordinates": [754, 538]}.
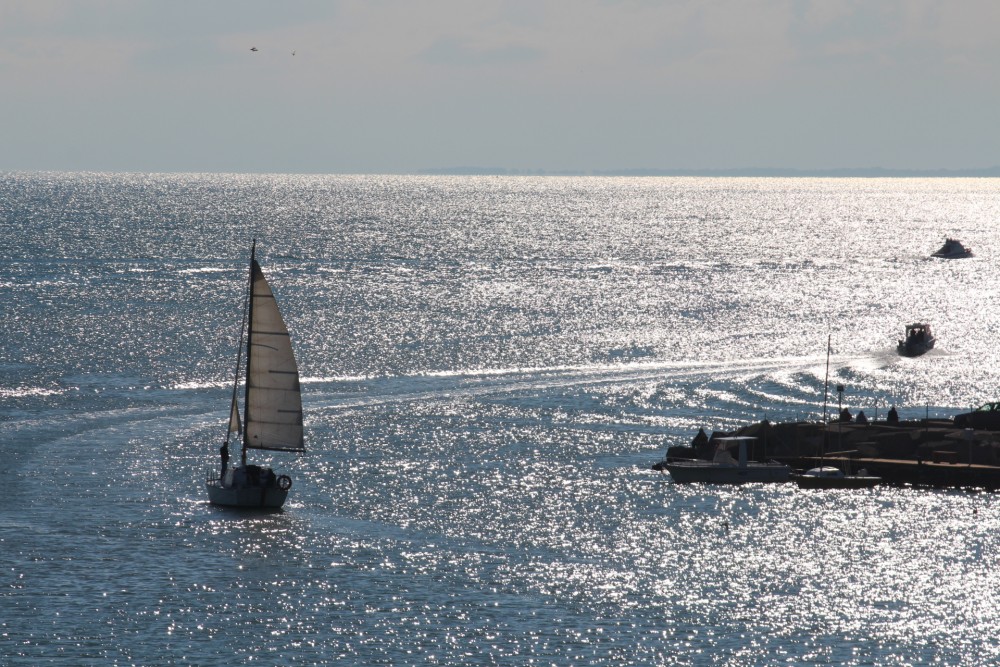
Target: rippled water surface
{"type": "Point", "coordinates": [491, 366]}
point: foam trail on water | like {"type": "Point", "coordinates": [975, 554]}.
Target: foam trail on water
{"type": "Point", "coordinates": [472, 384]}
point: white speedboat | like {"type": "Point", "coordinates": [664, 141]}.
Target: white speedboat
{"type": "Point", "coordinates": [272, 417]}
{"type": "Point", "coordinates": [952, 249]}
{"type": "Point", "coordinates": [919, 339]}
{"type": "Point", "coordinates": [828, 477]}
{"type": "Point", "coordinates": [724, 469]}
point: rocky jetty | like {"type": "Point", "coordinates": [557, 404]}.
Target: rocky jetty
{"type": "Point", "coordinates": [921, 452]}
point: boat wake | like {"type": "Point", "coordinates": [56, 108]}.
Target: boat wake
{"type": "Point", "coordinates": [459, 385]}
{"type": "Point", "coordinates": [738, 387]}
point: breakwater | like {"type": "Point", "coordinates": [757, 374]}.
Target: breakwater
{"type": "Point", "coordinates": [924, 452]}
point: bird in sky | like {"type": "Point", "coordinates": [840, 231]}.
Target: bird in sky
{"type": "Point", "coordinates": [253, 48]}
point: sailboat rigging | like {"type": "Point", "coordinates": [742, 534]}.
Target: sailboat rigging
{"type": "Point", "coordinates": [272, 403]}
{"type": "Point", "coordinates": [830, 477]}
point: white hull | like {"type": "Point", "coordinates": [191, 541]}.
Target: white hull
{"type": "Point", "coordinates": [708, 472]}
{"type": "Point", "coordinates": [724, 469]}
{"type": "Point", "coordinates": [828, 477]}
{"type": "Point", "coordinates": [249, 497]}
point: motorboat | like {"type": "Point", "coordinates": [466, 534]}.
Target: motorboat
{"type": "Point", "coordinates": [919, 339]}
{"type": "Point", "coordinates": [952, 249]}
{"type": "Point", "coordinates": [829, 477]}
{"type": "Point", "coordinates": [724, 469]}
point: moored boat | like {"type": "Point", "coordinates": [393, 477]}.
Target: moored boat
{"type": "Point", "coordinates": [829, 477]}
{"type": "Point", "coordinates": [724, 469]}
{"type": "Point", "coordinates": [272, 418]}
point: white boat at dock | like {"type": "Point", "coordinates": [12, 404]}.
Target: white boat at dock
{"type": "Point", "coordinates": [724, 469]}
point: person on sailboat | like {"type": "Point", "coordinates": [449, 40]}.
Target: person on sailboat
{"type": "Point", "coordinates": [224, 454]}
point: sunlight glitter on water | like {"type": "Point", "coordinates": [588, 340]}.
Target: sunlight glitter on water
{"type": "Point", "coordinates": [492, 365]}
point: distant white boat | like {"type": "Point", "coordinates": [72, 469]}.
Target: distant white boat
{"type": "Point", "coordinates": [724, 469]}
{"type": "Point", "coordinates": [828, 477]}
{"type": "Point", "coordinates": [952, 249]}
{"type": "Point", "coordinates": [272, 417]}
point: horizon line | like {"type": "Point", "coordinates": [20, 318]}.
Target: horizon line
{"type": "Point", "coordinates": [783, 172]}
{"type": "Point", "coordinates": [741, 172]}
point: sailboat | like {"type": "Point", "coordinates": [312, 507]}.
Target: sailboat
{"type": "Point", "coordinates": [829, 477]}
{"type": "Point", "coordinates": [272, 404]}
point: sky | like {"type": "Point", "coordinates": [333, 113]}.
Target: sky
{"type": "Point", "coordinates": [404, 86]}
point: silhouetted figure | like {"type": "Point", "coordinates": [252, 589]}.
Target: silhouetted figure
{"type": "Point", "coordinates": [845, 415]}
{"type": "Point", "coordinates": [893, 416]}
{"type": "Point", "coordinates": [224, 455]}
{"type": "Point", "coordinates": [861, 418]}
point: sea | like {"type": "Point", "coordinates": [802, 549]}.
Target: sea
{"type": "Point", "coordinates": [490, 366]}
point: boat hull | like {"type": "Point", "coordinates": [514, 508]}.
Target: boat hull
{"type": "Point", "coordinates": [249, 486]}
{"type": "Point", "coordinates": [709, 473]}
{"type": "Point", "coordinates": [911, 349]}
{"type": "Point", "coordinates": [952, 249]}
{"type": "Point", "coordinates": [250, 497]}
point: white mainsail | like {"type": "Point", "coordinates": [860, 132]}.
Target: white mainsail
{"type": "Point", "coordinates": [273, 401]}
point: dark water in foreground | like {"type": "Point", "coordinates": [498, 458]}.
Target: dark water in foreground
{"type": "Point", "coordinates": [491, 365]}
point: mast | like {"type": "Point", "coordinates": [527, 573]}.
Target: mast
{"type": "Point", "coordinates": [826, 391]}
{"type": "Point", "coordinates": [246, 391]}
{"type": "Point", "coordinates": [235, 425]}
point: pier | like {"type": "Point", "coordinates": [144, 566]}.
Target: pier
{"type": "Point", "coordinates": [927, 452]}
